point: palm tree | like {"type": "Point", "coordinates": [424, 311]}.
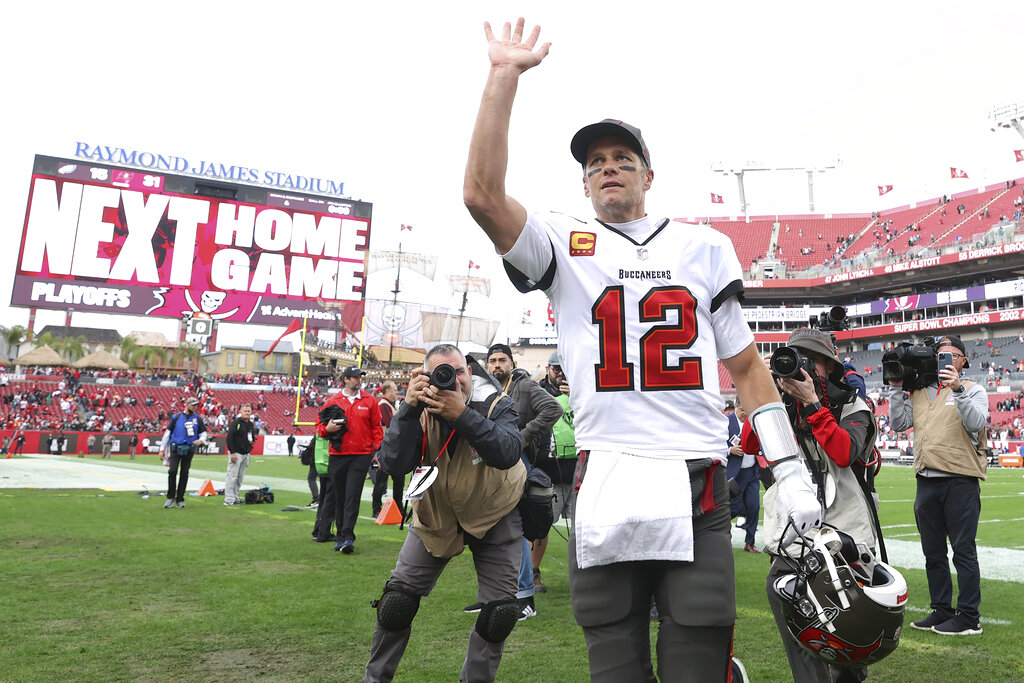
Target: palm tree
{"type": "Point", "coordinates": [47, 339]}
{"type": "Point", "coordinates": [13, 335]}
{"type": "Point", "coordinates": [73, 347]}
{"type": "Point", "coordinates": [128, 346]}
{"type": "Point", "coordinates": [192, 354]}
{"type": "Point", "coordinates": [147, 356]}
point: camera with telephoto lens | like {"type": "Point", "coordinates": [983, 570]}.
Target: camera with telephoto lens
{"type": "Point", "coordinates": [787, 361]}
{"type": "Point", "coordinates": [915, 364]}
{"type": "Point", "coordinates": [832, 320]}
{"type": "Point", "coordinates": [443, 377]}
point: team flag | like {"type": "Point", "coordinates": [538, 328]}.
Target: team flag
{"type": "Point", "coordinates": [716, 198]}
{"type": "Point", "coordinates": [957, 172]}
{"type": "Point", "coordinates": [474, 265]}
{"type": "Point", "coordinates": [1019, 153]}
{"type": "Point", "coordinates": [405, 227]}
{"type": "Point", "coordinates": [884, 189]}
{"type": "Point", "coordinates": [293, 326]}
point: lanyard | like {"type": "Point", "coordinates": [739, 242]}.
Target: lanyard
{"type": "Point", "coordinates": [444, 448]}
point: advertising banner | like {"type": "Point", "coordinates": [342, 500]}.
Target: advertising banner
{"type": "Point", "coordinates": [118, 240]}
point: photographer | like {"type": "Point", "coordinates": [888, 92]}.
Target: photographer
{"type": "Point", "coordinates": [185, 432]}
{"type": "Point", "coordinates": [948, 417]}
{"type": "Point", "coordinates": [350, 420]}
{"type": "Point", "coordinates": [836, 433]}
{"type": "Point", "coordinates": [560, 464]}
{"type": "Point", "coordinates": [467, 437]}
{"type": "Point", "coordinates": [538, 412]}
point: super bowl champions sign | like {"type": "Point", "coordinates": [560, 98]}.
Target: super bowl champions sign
{"type": "Point", "coordinates": [121, 240]}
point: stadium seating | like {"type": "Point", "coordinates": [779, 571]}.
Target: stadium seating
{"type": "Point", "coordinates": [751, 239]}
{"type": "Point", "coordinates": [900, 220]}
{"type": "Point", "coordinates": [832, 230]}
{"type": "Point", "coordinates": [966, 225]}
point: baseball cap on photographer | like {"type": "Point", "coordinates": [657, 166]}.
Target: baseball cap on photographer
{"type": "Point", "coordinates": [555, 359]}
{"type": "Point", "coordinates": [953, 340]}
{"type": "Point", "coordinates": [192, 401]}
{"type": "Point", "coordinates": [499, 348]}
{"type": "Point", "coordinates": [609, 128]}
{"type": "Point", "coordinates": [352, 371]}
{"type": "Point", "coordinates": [814, 341]}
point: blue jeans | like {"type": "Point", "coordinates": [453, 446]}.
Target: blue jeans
{"type": "Point", "coordinates": [526, 589]}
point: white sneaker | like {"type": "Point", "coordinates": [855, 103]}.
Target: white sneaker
{"type": "Point", "coordinates": [169, 503]}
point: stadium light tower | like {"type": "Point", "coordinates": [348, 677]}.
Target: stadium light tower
{"type": "Point", "coordinates": [740, 170]}
{"type": "Point", "coordinates": [1008, 116]}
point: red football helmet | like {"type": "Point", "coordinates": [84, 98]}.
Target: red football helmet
{"type": "Point", "coordinates": [839, 603]}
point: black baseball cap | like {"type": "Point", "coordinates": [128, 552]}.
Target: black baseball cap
{"type": "Point", "coordinates": [499, 348]}
{"type": "Point", "coordinates": [352, 371]}
{"type": "Point", "coordinates": [953, 340]}
{"type": "Point", "coordinates": [612, 128]}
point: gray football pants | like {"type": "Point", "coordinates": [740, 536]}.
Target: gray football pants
{"type": "Point", "coordinates": [496, 557]}
{"type": "Point", "coordinates": [696, 601]}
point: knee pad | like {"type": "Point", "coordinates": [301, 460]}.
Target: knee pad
{"type": "Point", "coordinates": [396, 609]}
{"type": "Point", "coordinates": [497, 619]}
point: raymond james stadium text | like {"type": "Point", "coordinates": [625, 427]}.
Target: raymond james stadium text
{"type": "Point", "coordinates": [208, 169]}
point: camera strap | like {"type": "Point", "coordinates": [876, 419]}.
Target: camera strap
{"type": "Point", "coordinates": [816, 467]}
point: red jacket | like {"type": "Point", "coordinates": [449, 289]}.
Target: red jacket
{"type": "Point", "coordinates": [364, 429]}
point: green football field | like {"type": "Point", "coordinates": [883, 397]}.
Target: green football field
{"type": "Point", "coordinates": [108, 586]}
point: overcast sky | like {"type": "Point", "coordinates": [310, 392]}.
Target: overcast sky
{"type": "Point", "coordinates": [383, 95]}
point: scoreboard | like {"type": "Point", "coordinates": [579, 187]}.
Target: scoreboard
{"type": "Point", "coordinates": [109, 239]}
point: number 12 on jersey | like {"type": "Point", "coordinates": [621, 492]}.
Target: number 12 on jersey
{"type": "Point", "coordinates": [614, 373]}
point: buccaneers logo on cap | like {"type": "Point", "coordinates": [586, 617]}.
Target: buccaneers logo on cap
{"type": "Point", "coordinates": [582, 243]}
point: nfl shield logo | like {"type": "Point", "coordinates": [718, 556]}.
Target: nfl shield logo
{"type": "Point", "coordinates": [641, 253]}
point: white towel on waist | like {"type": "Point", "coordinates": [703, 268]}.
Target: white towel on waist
{"type": "Point", "coordinates": [633, 507]}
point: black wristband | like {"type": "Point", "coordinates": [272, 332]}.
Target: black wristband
{"type": "Point", "coordinates": [811, 409]}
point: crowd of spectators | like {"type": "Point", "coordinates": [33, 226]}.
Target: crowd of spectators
{"type": "Point", "coordinates": [72, 400]}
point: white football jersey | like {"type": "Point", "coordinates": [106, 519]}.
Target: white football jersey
{"type": "Point", "coordinates": [644, 312]}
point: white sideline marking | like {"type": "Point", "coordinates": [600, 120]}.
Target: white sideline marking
{"type": "Point", "coordinates": [986, 620]}
{"type": "Point", "coordinates": [997, 564]}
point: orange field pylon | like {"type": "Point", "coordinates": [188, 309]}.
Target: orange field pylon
{"type": "Point", "coordinates": [206, 488]}
{"type": "Point", "coordinates": [391, 513]}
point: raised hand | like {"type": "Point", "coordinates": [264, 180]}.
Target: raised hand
{"type": "Point", "coordinates": [511, 50]}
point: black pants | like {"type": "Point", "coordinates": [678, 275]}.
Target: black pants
{"type": "Point", "coordinates": [949, 507]}
{"type": "Point", "coordinates": [324, 513]}
{"type": "Point", "coordinates": [380, 485]}
{"type": "Point", "coordinates": [185, 461]}
{"type": "Point", "coordinates": [347, 474]}
{"type": "Point", "coordinates": [311, 480]}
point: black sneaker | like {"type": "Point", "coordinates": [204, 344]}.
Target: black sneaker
{"type": "Point", "coordinates": [473, 609]}
{"type": "Point", "coordinates": [930, 621]}
{"type": "Point", "coordinates": [960, 625]}
{"type": "Point", "coordinates": [528, 608]}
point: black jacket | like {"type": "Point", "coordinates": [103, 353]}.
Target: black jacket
{"type": "Point", "coordinates": [496, 440]}
{"type": "Point", "coordinates": [239, 432]}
